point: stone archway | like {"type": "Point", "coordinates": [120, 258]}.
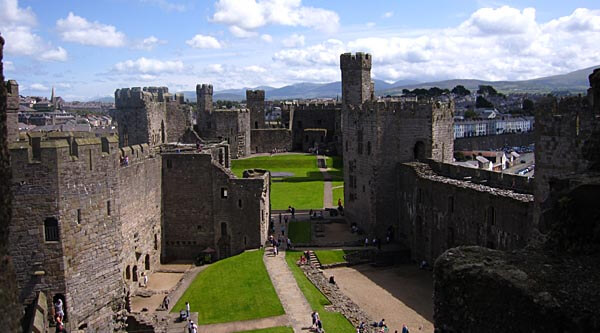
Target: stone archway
{"type": "Point", "coordinates": [147, 262]}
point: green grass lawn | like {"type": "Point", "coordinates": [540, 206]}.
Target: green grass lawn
{"type": "Point", "coordinates": [280, 329]}
{"type": "Point", "coordinates": [236, 288]}
{"type": "Point", "coordinates": [336, 168]}
{"type": "Point", "coordinates": [337, 193]}
{"type": "Point", "coordinates": [328, 257]}
{"type": "Point", "coordinates": [332, 321]}
{"type": "Point", "coordinates": [303, 190]}
{"type": "Point", "coordinates": [300, 232]}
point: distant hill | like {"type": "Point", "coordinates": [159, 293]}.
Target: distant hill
{"type": "Point", "coordinates": [105, 99]}
{"type": "Point", "coordinates": [573, 82]}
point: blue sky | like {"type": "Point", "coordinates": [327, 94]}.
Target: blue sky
{"type": "Point", "coordinates": [90, 48]}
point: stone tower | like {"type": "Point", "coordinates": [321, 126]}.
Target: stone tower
{"type": "Point", "coordinates": [255, 101]}
{"type": "Point", "coordinates": [12, 110]}
{"type": "Point", "coordinates": [204, 94]}
{"type": "Point", "coordinates": [356, 78]}
{"type": "Point", "coordinates": [141, 115]}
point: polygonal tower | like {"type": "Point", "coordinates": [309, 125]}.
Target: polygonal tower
{"type": "Point", "coordinates": [204, 94]}
{"type": "Point", "coordinates": [356, 78]}
{"type": "Point", "coordinates": [255, 101]}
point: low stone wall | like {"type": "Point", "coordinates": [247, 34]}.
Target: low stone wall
{"type": "Point", "coordinates": [339, 302]}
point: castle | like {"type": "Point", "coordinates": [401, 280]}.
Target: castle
{"type": "Point", "coordinates": [399, 183]}
{"type": "Point", "coordinates": [91, 214]}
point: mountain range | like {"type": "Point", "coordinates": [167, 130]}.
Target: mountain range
{"type": "Point", "coordinates": [573, 82]}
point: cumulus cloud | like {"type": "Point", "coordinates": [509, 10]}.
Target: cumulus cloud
{"type": "Point", "coordinates": [387, 14]}
{"type": "Point", "coordinates": [253, 14]}
{"type": "Point", "coordinates": [17, 26]}
{"type": "Point", "coordinates": [77, 29]}
{"type": "Point", "coordinates": [493, 43]}
{"type": "Point", "coordinates": [255, 69]}
{"type": "Point", "coordinates": [294, 40]}
{"type": "Point", "coordinates": [203, 42]}
{"type": "Point", "coordinates": [215, 68]}
{"type": "Point", "coordinates": [242, 33]}
{"type": "Point", "coordinates": [149, 43]}
{"type": "Point", "coordinates": [149, 66]}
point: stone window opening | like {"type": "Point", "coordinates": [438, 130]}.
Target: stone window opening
{"type": "Point", "coordinates": [223, 193]}
{"type": "Point", "coordinates": [240, 203]}
{"type": "Point", "coordinates": [51, 229]}
{"type": "Point", "coordinates": [79, 216]}
{"type": "Point", "coordinates": [223, 229]}
{"type": "Point", "coordinates": [108, 209]}
{"type": "Point", "coordinates": [135, 274]}
{"type": "Point", "coordinates": [91, 160]}
{"type": "Point", "coordinates": [155, 241]}
{"type": "Point", "coordinates": [163, 137]}
{"type": "Point", "coordinates": [147, 262]}
{"type": "Point", "coordinates": [128, 273]}
{"type": "Point", "coordinates": [419, 151]}
{"type": "Point", "coordinates": [256, 124]}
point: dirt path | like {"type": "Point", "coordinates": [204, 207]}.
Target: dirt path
{"type": "Point", "coordinates": [400, 295]}
{"type": "Point", "coordinates": [296, 307]}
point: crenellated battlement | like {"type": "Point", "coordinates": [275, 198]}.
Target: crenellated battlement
{"type": "Point", "coordinates": [204, 89]}
{"type": "Point", "coordinates": [12, 96]}
{"type": "Point", "coordinates": [421, 108]}
{"type": "Point", "coordinates": [594, 91]}
{"type": "Point", "coordinates": [359, 60]}
{"type": "Point", "coordinates": [255, 95]}
{"type": "Point", "coordinates": [318, 106]}
{"type": "Point", "coordinates": [137, 97]}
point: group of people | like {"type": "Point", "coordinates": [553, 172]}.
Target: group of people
{"type": "Point", "coordinates": [380, 327]}
{"type": "Point", "coordinates": [316, 322]}
{"type": "Point", "coordinates": [278, 150]}
{"type": "Point", "coordinates": [375, 242]}
{"type": "Point", "coordinates": [124, 160]}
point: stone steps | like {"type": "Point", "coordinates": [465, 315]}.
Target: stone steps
{"type": "Point", "coordinates": [314, 261]}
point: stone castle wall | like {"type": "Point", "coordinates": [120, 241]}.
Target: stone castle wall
{"type": "Point", "coordinates": [439, 212]}
{"type": "Point", "coordinates": [205, 206]}
{"type": "Point", "coordinates": [266, 140]}
{"type": "Point", "coordinates": [12, 110]}
{"type": "Point", "coordinates": [79, 173]}
{"type": "Point", "coordinates": [316, 116]}
{"type": "Point", "coordinates": [179, 119]}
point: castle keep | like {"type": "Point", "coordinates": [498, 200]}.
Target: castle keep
{"type": "Point", "coordinates": [91, 214]}
{"type": "Point", "coordinates": [398, 183]}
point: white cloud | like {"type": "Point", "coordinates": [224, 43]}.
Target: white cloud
{"type": "Point", "coordinates": [149, 43]}
{"type": "Point", "coordinates": [253, 14]}
{"type": "Point", "coordinates": [38, 87]}
{"type": "Point", "coordinates": [148, 77]}
{"type": "Point", "coordinates": [387, 14]}
{"type": "Point", "coordinates": [370, 24]}
{"type": "Point", "coordinates": [267, 38]}
{"type": "Point", "coordinates": [77, 29]}
{"type": "Point", "coordinates": [241, 33]}
{"type": "Point", "coordinates": [17, 27]}
{"type": "Point", "coordinates": [294, 40]}
{"type": "Point", "coordinates": [495, 44]}
{"type": "Point", "coordinates": [149, 66]}
{"type": "Point", "coordinates": [215, 68]}
{"type": "Point", "coordinates": [63, 85]}
{"type": "Point", "coordinates": [204, 42]}
{"type": "Point", "coordinates": [255, 69]}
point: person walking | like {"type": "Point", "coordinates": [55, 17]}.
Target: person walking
{"type": "Point", "coordinates": [404, 328]}
{"type": "Point", "coordinates": [187, 309]}
{"type": "Point", "coordinates": [145, 279]}
{"type": "Point", "coordinates": [58, 309]}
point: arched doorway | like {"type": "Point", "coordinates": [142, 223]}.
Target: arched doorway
{"type": "Point", "coordinates": [135, 274]}
{"type": "Point", "coordinates": [55, 304]}
{"type": "Point", "coordinates": [128, 273]}
{"type": "Point", "coordinates": [147, 262]}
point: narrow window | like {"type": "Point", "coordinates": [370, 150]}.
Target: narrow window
{"type": "Point", "coordinates": [223, 229]}
{"type": "Point", "coordinates": [91, 165]}
{"type": "Point", "coordinates": [79, 216]}
{"type": "Point", "coordinates": [108, 208]}
{"type": "Point", "coordinates": [223, 193]}
{"type": "Point", "coordinates": [240, 203]}
{"type": "Point", "coordinates": [51, 229]}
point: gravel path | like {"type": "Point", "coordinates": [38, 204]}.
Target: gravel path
{"type": "Point", "coordinates": [400, 295]}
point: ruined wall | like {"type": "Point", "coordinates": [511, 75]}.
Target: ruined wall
{"type": "Point", "coordinates": [141, 115]}
{"type": "Point", "coordinates": [314, 138]}
{"type": "Point", "coordinates": [79, 174]}
{"type": "Point", "coordinates": [9, 307]}
{"type": "Point", "coordinates": [206, 206]}
{"type": "Point", "coordinates": [255, 101]}
{"type": "Point", "coordinates": [494, 141]}
{"type": "Point", "coordinates": [179, 119]}
{"type": "Point", "coordinates": [139, 207]}
{"type": "Point", "coordinates": [438, 212]}
{"type": "Point", "coordinates": [265, 140]}
{"type": "Point", "coordinates": [322, 115]}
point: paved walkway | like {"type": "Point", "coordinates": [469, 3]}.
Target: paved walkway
{"type": "Point", "coordinates": [294, 303]}
{"type": "Point", "coordinates": [327, 188]}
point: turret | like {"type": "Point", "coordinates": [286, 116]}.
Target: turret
{"type": "Point", "coordinates": [204, 93]}
{"type": "Point", "coordinates": [594, 91]}
{"type": "Point", "coordinates": [12, 109]}
{"type": "Point", "coordinates": [255, 100]}
{"type": "Point", "coordinates": [357, 87]}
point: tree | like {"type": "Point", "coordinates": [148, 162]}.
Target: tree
{"type": "Point", "coordinates": [460, 90]}
{"type": "Point", "coordinates": [487, 90]}
{"type": "Point", "coordinates": [481, 102]}
{"type": "Point", "coordinates": [528, 105]}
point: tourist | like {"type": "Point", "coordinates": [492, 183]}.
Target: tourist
{"type": "Point", "coordinates": [289, 243]}
{"type": "Point", "coordinates": [332, 280]}
{"type": "Point", "coordinates": [145, 279]}
{"type": "Point", "coordinates": [60, 326]}
{"type": "Point", "coordinates": [166, 302]}
{"type": "Point", "coordinates": [314, 319]}
{"type": "Point", "coordinates": [404, 329]}
{"type": "Point", "coordinates": [381, 323]}
{"type": "Point", "coordinates": [187, 309]}
{"type": "Point", "coordinates": [319, 325]}
{"type": "Point", "coordinates": [339, 202]}
{"type": "Point", "coordinates": [58, 309]}
{"type": "Point", "coordinates": [276, 250]}
{"type": "Point", "coordinates": [366, 241]}
{"type": "Point", "coordinates": [283, 230]}
{"type": "Point", "coordinates": [285, 218]}
{"type": "Point", "coordinates": [192, 327]}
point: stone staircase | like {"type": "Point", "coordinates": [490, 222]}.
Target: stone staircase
{"type": "Point", "coordinates": [313, 260]}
